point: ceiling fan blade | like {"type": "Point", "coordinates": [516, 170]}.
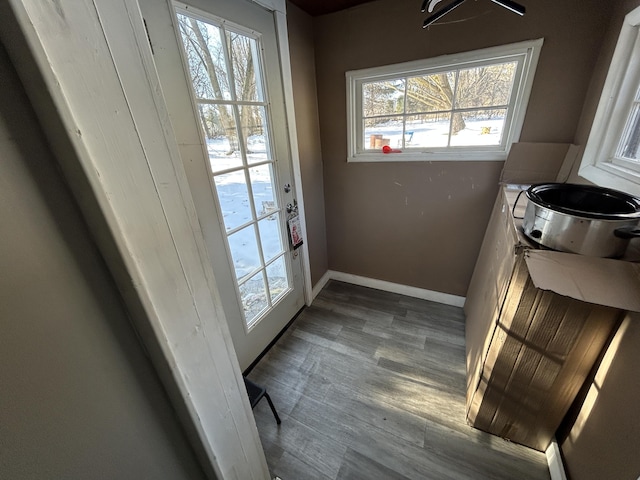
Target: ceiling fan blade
{"type": "Point", "coordinates": [510, 5]}
{"type": "Point", "coordinates": [438, 15]}
{"type": "Point", "coordinates": [432, 4]}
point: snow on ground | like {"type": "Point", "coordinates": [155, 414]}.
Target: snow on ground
{"type": "Point", "coordinates": [434, 134]}
{"type": "Point", "coordinates": [233, 196]}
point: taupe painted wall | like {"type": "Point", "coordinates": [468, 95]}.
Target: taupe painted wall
{"type": "Point", "coordinates": [303, 72]}
{"type": "Point", "coordinates": [421, 224]}
{"type": "Point", "coordinates": [609, 40]}
{"type": "Point", "coordinates": [79, 398]}
{"type": "Point", "coordinates": [605, 440]}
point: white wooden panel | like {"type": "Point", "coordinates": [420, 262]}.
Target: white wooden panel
{"type": "Point", "coordinates": [287, 81]}
{"type": "Point", "coordinates": [97, 67]}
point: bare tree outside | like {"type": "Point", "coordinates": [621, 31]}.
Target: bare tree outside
{"type": "Point", "coordinates": [225, 69]}
{"type": "Point", "coordinates": [213, 82]}
{"type": "Point", "coordinates": [453, 96]}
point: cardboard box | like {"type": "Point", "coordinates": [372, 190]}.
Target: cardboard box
{"type": "Point", "coordinates": [537, 321]}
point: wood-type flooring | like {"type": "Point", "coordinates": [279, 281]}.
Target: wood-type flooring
{"type": "Point", "coordinates": [371, 385]}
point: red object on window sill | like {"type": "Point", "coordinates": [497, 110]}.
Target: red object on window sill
{"type": "Point", "coordinates": [388, 149]}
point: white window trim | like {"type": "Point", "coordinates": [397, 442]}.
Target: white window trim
{"type": "Point", "coordinates": [529, 50]}
{"type": "Point", "coordinates": [619, 88]}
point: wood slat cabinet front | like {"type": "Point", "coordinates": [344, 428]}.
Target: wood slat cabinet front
{"type": "Point", "coordinates": [528, 350]}
{"type": "Point", "coordinates": [488, 287]}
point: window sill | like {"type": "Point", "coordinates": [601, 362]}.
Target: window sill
{"type": "Point", "coordinates": [427, 156]}
{"type": "Point", "coordinates": [612, 176]}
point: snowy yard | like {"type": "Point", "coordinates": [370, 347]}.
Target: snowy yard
{"type": "Point", "coordinates": [234, 199]}
{"type": "Point", "coordinates": [420, 134]}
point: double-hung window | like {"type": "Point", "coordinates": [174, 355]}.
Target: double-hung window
{"type": "Point", "coordinates": [468, 106]}
{"type": "Point", "coordinates": [612, 153]}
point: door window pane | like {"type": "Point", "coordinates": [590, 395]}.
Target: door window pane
{"type": "Point", "coordinates": [254, 130]}
{"type": "Point", "coordinates": [262, 186]}
{"type": "Point", "coordinates": [205, 58]}
{"type": "Point", "coordinates": [245, 61]}
{"type": "Point", "coordinates": [270, 237]}
{"type": "Point", "coordinates": [221, 136]}
{"type": "Point", "coordinates": [234, 116]}
{"type": "Point", "coordinates": [234, 199]}
{"type": "Point", "coordinates": [244, 251]}
{"type": "Point", "coordinates": [253, 294]}
{"type": "Point", "coordinates": [277, 278]}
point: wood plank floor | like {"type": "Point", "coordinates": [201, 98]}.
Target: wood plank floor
{"type": "Point", "coordinates": [371, 385]}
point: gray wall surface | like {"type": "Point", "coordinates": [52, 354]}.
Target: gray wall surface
{"type": "Point", "coordinates": [414, 234]}
{"type": "Point", "coordinates": [604, 439]}
{"type": "Point", "coordinates": [79, 398]}
{"type": "Point", "coordinates": [303, 73]}
{"type": "Point", "coordinates": [422, 223]}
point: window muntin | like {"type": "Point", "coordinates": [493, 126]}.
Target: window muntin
{"type": "Point", "coordinates": [468, 106]}
{"type": "Point", "coordinates": [612, 154]}
{"type": "Point", "coordinates": [628, 151]}
{"type": "Point", "coordinates": [224, 63]}
{"type": "Point", "coordinates": [419, 111]}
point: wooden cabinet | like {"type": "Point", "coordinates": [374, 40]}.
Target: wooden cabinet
{"type": "Point", "coordinates": [529, 349]}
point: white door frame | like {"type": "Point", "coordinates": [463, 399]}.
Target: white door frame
{"type": "Point", "coordinates": [166, 39]}
{"type": "Point", "coordinates": [88, 70]}
{"type": "Point", "coordinates": [279, 9]}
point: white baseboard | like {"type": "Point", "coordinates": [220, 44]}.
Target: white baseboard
{"type": "Point", "coordinates": [554, 460]}
{"type": "Point", "coordinates": [415, 292]}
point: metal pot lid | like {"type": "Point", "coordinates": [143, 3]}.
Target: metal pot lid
{"type": "Point", "coordinates": [585, 201]}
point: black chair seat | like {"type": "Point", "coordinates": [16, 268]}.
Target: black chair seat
{"type": "Point", "coordinates": [255, 393]}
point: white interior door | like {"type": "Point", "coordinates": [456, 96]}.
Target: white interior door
{"type": "Point", "coordinates": [219, 67]}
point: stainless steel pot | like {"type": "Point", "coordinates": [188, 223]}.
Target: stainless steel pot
{"type": "Point", "coordinates": [581, 219]}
